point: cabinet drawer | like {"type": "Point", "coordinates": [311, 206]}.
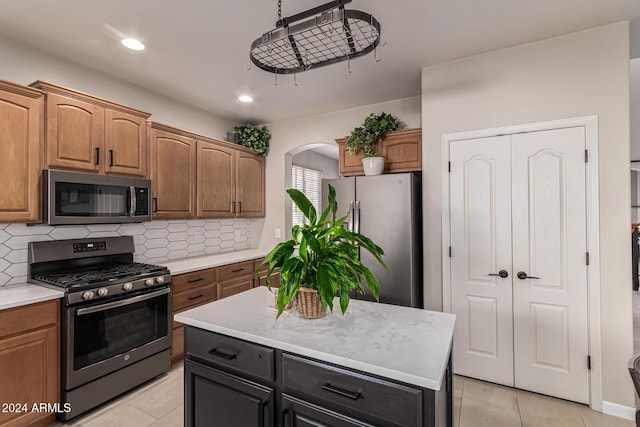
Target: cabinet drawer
{"type": "Point", "coordinates": [24, 318]}
{"type": "Point", "coordinates": [236, 271]}
{"type": "Point", "coordinates": [352, 391]}
{"type": "Point", "coordinates": [183, 282]}
{"type": "Point", "coordinates": [231, 353]}
{"type": "Point", "coordinates": [227, 289]}
{"type": "Point", "coordinates": [195, 296]}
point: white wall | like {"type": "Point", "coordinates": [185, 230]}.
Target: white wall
{"type": "Point", "coordinates": [635, 110]}
{"type": "Point", "coordinates": [580, 74]}
{"type": "Point", "coordinates": [23, 64]}
{"type": "Point", "coordinates": [313, 160]}
{"type": "Point", "coordinates": [288, 135]}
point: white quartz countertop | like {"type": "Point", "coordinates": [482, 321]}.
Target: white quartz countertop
{"type": "Point", "coordinates": [194, 264]}
{"type": "Point", "coordinates": [400, 343]}
{"type": "Point", "coordinates": [23, 294]}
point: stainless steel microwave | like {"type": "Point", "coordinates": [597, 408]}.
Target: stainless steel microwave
{"type": "Point", "coordinates": [84, 198]}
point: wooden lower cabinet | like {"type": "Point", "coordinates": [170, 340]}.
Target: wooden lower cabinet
{"type": "Point", "coordinates": [190, 290]}
{"type": "Point", "coordinates": [29, 364]}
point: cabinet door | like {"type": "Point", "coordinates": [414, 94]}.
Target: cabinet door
{"type": "Point", "coordinates": [216, 180]}
{"type": "Point", "coordinates": [29, 372]}
{"type": "Point", "coordinates": [75, 134]}
{"type": "Point", "coordinates": [173, 167]}
{"type": "Point", "coordinates": [249, 185]}
{"type": "Point", "coordinates": [125, 144]}
{"type": "Point", "coordinates": [298, 413]}
{"type": "Point", "coordinates": [20, 135]}
{"type": "Point", "coordinates": [216, 398]}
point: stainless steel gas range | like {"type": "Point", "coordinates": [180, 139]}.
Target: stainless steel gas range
{"type": "Point", "coordinates": [115, 316]}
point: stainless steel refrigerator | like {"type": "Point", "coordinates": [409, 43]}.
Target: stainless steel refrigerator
{"type": "Point", "coordinates": [388, 209]}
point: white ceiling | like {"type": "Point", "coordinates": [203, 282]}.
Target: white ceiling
{"type": "Point", "coordinates": [197, 50]}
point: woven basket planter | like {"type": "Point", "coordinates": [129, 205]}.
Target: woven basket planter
{"type": "Point", "coordinates": [309, 305]}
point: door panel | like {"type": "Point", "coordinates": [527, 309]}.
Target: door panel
{"type": "Point", "coordinates": [216, 180]}
{"type": "Point", "coordinates": [481, 245]}
{"type": "Point", "coordinates": [549, 242]}
{"type": "Point", "coordinates": [249, 185]}
{"type": "Point", "coordinates": [126, 144]}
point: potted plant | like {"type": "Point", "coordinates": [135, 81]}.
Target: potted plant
{"type": "Point", "coordinates": [321, 260]}
{"type": "Point", "coordinates": [366, 136]}
{"type": "Point", "coordinates": [253, 137]}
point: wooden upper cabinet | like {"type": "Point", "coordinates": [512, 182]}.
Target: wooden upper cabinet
{"type": "Point", "coordinates": [90, 134]}
{"type": "Point", "coordinates": [250, 186]}
{"type": "Point", "coordinates": [75, 134]}
{"type": "Point", "coordinates": [173, 172]}
{"type": "Point", "coordinates": [401, 149]}
{"type": "Point", "coordinates": [216, 180]}
{"type": "Point", "coordinates": [125, 144]}
{"type": "Point", "coordinates": [21, 112]}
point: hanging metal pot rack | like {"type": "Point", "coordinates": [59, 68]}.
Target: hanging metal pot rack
{"type": "Point", "coordinates": [321, 36]}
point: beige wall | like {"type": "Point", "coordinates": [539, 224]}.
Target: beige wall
{"type": "Point", "coordinates": [580, 74]}
{"type": "Point", "coordinates": [292, 134]}
{"type": "Point", "coordinates": [23, 64]}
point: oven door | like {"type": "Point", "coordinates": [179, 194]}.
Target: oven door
{"type": "Point", "coordinates": [103, 337]}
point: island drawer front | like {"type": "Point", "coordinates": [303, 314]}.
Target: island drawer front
{"type": "Point", "coordinates": [182, 282]}
{"type": "Point", "coordinates": [231, 353]}
{"type": "Point", "coordinates": [348, 391]}
{"type": "Point", "coordinates": [236, 271]}
{"type": "Point", "coordinates": [196, 296]}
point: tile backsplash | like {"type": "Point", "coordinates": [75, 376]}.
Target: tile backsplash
{"type": "Point", "coordinates": [156, 241]}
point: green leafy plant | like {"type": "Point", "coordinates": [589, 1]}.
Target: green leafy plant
{"type": "Point", "coordinates": [255, 138]}
{"type": "Point", "coordinates": [327, 256]}
{"type": "Point", "coordinates": [366, 136]}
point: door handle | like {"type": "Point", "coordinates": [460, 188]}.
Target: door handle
{"type": "Point", "coordinates": [502, 273]}
{"type": "Point", "coordinates": [355, 395]}
{"type": "Point", "coordinates": [97, 162]}
{"type": "Point", "coordinates": [222, 354]}
{"type": "Point", "coordinates": [522, 275]}
{"type": "Point", "coordinates": [110, 157]}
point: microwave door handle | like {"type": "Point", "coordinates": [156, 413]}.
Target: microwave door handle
{"type": "Point", "coordinates": [132, 200]}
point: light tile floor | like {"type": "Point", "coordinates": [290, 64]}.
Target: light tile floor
{"type": "Point", "coordinates": [159, 403]}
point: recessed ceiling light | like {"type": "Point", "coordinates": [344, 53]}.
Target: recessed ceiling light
{"type": "Point", "coordinates": [245, 98]}
{"type": "Point", "coordinates": [133, 44]}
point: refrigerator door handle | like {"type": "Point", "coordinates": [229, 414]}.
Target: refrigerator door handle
{"type": "Point", "coordinates": [349, 223]}
{"type": "Point", "coordinates": [356, 217]}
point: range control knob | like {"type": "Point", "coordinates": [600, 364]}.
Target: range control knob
{"type": "Point", "coordinates": [127, 286]}
{"type": "Point", "coordinates": [102, 292]}
{"type": "Point", "coordinates": [160, 279]}
{"type": "Point", "coordinates": [149, 282]}
{"type": "Point", "coordinates": [87, 295]}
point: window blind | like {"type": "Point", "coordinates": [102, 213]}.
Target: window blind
{"type": "Point", "coordinates": [308, 181]}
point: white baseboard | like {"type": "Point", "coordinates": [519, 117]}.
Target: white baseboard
{"type": "Point", "coordinates": [620, 411]}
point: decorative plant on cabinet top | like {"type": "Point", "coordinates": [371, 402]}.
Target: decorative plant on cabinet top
{"type": "Point", "coordinates": [327, 257]}
{"type": "Point", "coordinates": [366, 136]}
{"type": "Point", "coordinates": [255, 138]}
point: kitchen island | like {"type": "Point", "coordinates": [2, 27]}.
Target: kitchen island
{"type": "Point", "coordinates": [376, 365]}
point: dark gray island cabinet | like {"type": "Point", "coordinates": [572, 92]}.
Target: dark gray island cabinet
{"type": "Point", "coordinates": [370, 367]}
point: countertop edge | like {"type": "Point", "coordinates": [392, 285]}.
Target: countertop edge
{"type": "Point", "coordinates": [215, 260]}
{"type": "Point", "coordinates": [322, 356]}
{"type": "Point", "coordinates": [12, 296]}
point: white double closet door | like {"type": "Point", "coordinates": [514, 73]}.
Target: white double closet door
{"type": "Point", "coordinates": [517, 205]}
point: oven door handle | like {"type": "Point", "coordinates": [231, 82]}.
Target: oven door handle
{"type": "Point", "coordinates": [109, 305]}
